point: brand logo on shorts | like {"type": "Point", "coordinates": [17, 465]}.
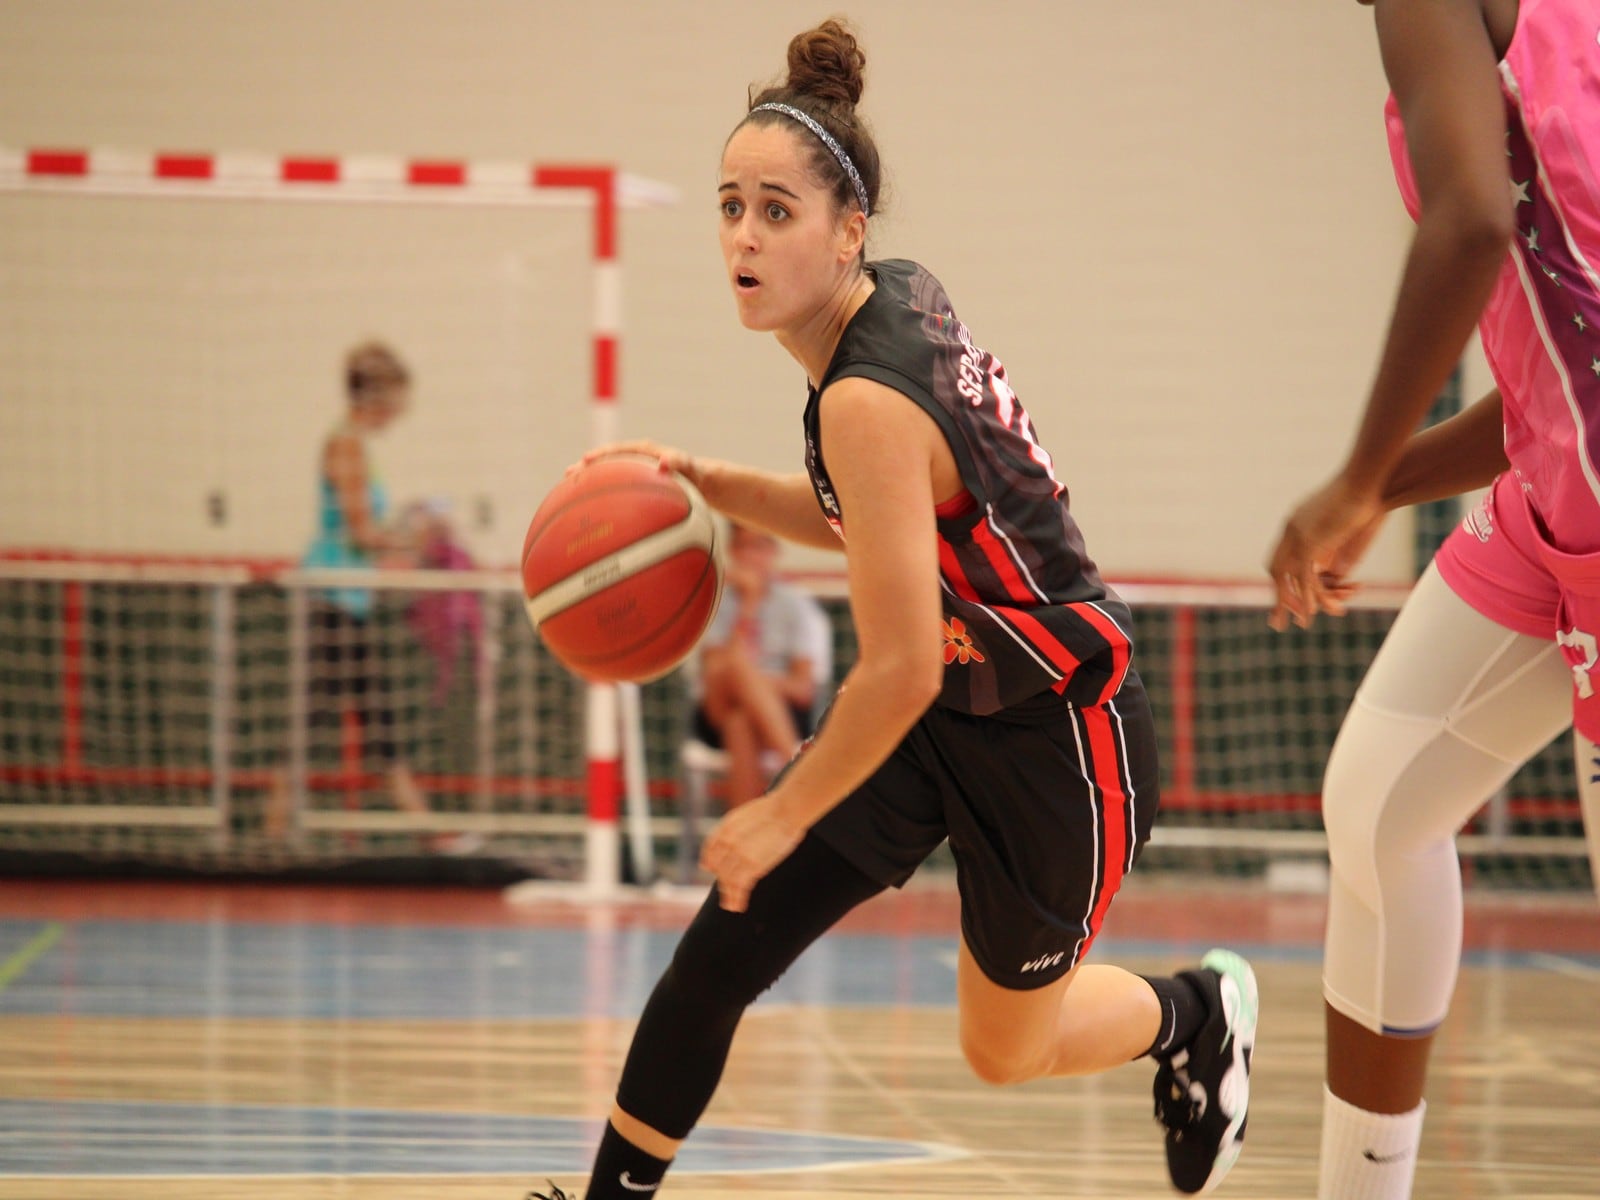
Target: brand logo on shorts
{"type": "Point", "coordinates": [1480, 521]}
{"type": "Point", "coordinates": [1044, 963]}
{"type": "Point", "coordinates": [1581, 652]}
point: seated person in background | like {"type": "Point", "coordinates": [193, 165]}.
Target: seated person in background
{"type": "Point", "coordinates": [762, 661]}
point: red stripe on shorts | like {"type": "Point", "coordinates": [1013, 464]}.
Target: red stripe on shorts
{"type": "Point", "coordinates": [1105, 765]}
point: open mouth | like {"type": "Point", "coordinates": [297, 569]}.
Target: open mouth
{"type": "Point", "coordinates": [745, 281]}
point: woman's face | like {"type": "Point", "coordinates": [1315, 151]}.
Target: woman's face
{"type": "Point", "coordinates": [785, 247]}
{"type": "Point", "coordinates": [378, 408]}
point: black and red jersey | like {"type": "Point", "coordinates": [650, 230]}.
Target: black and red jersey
{"type": "Point", "coordinates": [1025, 610]}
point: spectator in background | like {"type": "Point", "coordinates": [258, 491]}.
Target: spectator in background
{"type": "Point", "coordinates": [345, 660]}
{"type": "Point", "coordinates": [763, 660]}
{"type": "Point", "coordinates": [445, 622]}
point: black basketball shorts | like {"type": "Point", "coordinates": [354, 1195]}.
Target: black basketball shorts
{"type": "Point", "coordinates": [1046, 806]}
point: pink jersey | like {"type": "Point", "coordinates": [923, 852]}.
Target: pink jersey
{"type": "Point", "coordinates": [1541, 329]}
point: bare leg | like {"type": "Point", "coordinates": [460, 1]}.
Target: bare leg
{"type": "Point", "coordinates": [1095, 1018]}
{"type": "Point", "coordinates": [405, 791]}
{"type": "Point", "coordinates": [1372, 1071]}
{"type": "Point", "coordinates": [279, 804]}
{"type": "Point", "coordinates": [746, 707]}
{"type": "Point", "coordinates": [657, 1145]}
{"type": "Point", "coordinates": [408, 796]}
{"type": "Point", "coordinates": [744, 758]}
{"type": "Point", "coordinates": [757, 694]}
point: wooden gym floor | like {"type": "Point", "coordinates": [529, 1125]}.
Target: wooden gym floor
{"type": "Point", "coordinates": [248, 1042]}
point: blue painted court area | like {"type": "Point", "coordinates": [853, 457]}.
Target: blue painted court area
{"type": "Point", "coordinates": [311, 972]}
{"type": "Point", "coordinates": [214, 971]}
{"type": "Point", "coordinates": [95, 1138]}
{"type": "Point", "coordinates": [453, 973]}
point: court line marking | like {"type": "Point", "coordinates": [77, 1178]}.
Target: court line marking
{"type": "Point", "coordinates": [39, 944]}
{"type": "Point", "coordinates": [927, 1152]}
{"type": "Point", "coordinates": [1565, 966]}
{"type": "Point", "coordinates": [947, 1149]}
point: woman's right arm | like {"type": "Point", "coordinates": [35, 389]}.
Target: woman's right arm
{"type": "Point", "coordinates": [1441, 65]}
{"type": "Point", "coordinates": [1457, 455]}
{"type": "Point", "coordinates": [345, 462]}
{"type": "Point", "coordinates": [783, 505]}
{"type": "Point", "coordinates": [1440, 62]}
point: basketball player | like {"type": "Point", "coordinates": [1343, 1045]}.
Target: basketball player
{"type": "Point", "coordinates": [994, 700]}
{"type": "Point", "coordinates": [1492, 126]}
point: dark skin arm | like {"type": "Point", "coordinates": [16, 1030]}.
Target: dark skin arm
{"type": "Point", "coordinates": [1442, 65]}
{"type": "Point", "coordinates": [1457, 455]}
{"type": "Point", "coordinates": [1460, 454]}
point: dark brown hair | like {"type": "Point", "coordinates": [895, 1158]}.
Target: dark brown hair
{"type": "Point", "coordinates": [826, 67]}
{"type": "Point", "coordinates": [372, 370]}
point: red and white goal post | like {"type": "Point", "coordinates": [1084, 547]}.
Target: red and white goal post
{"type": "Point", "coordinates": [131, 292]}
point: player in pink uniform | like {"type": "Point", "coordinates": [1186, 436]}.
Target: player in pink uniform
{"type": "Point", "coordinates": [1494, 124]}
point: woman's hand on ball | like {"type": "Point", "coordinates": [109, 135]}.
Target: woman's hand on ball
{"type": "Point", "coordinates": [670, 459]}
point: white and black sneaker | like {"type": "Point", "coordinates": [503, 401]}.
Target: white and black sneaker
{"type": "Point", "coordinates": [1202, 1091]}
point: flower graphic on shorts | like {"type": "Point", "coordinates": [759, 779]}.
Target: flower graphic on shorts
{"type": "Point", "coordinates": [958, 643]}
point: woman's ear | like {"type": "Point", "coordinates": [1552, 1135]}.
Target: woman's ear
{"type": "Point", "coordinates": [855, 235]}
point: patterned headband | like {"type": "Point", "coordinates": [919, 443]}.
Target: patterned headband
{"type": "Point", "coordinates": [828, 140]}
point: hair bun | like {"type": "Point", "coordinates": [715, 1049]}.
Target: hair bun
{"type": "Point", "coordinates": [826, 62]}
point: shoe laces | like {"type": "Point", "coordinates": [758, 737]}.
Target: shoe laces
{"type": "Point", "coordinates": [554, 1193]}
{"type": "Point", "coordinates": [1181, 1103]}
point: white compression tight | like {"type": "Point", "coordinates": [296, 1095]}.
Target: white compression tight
{"type": "Point", "coordinates": [1452, 705]}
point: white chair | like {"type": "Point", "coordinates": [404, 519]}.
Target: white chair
{"type": "Point", "coordinates": [701, 763]}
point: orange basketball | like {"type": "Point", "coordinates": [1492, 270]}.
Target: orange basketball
{"type": "Point", "coordinates": [621, 569]}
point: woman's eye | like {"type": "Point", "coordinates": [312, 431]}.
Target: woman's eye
{"type": "Point", "coordinates": [776, 212]}
{"type": "Point", "coordinates": [730, 208]}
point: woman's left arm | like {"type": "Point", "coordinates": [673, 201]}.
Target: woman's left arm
{"type": "Point", "coordinates": [880, 450]}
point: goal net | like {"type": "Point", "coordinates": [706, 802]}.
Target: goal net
{"type": "Point", "coordinates": [145, 713]}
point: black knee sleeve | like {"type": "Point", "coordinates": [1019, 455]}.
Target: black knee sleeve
{"type": "Point", "coordinates": [723, 963]}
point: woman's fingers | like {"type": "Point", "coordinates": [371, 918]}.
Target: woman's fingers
{"type": "Point", "coordinates": [732, 894]}
{"type": "Point", "coordinates": [667, 458]}
{"type": "Point", "coordinates": [734, 878]}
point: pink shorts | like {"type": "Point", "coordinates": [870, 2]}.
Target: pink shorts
{"type": "Point", "coordinates": [1500, 561]}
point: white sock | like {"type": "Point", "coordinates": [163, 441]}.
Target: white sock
{"type": "Point", "coordinates": [1367, 1155]}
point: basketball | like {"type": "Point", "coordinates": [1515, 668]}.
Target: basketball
{"type": "Point", "coordinates": [621, 569]}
